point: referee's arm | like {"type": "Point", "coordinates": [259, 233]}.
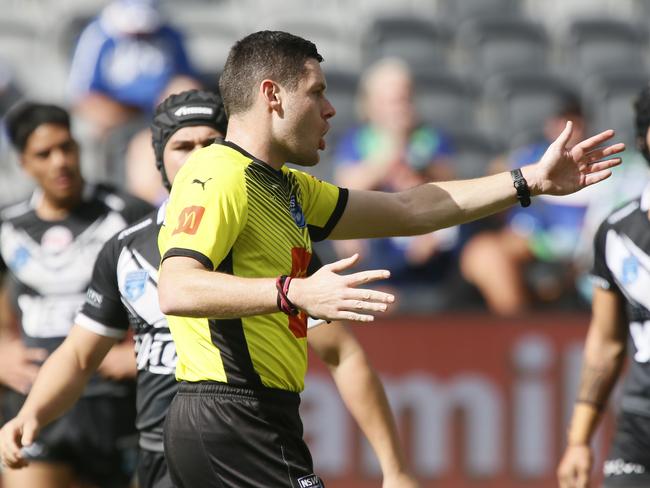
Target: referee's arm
{"type": "Point", "coordinates": [432, 206]}
{"type": "Point", "coordinates": [186, 288]}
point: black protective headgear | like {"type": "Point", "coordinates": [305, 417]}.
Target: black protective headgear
{"type": "Point", "coordinates": [186, 109]}
{"type": "Point", "coordinates": [642, 121]}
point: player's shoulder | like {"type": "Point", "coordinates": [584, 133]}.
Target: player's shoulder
{"type": "Point", "coordinates": [146, 226]}
{"type": "Point", "coordinates": [119, 201]}
{"type": "Point", "coordinates": [16, 211]}
{"type": "Point", "coordinates": [623, 214]}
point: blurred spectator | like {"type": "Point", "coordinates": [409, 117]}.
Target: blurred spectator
{"type": "Point", "coordinates": [123, 61]}
{"type": "Point", "coordinates": [393, 151]}
{"type": "Point", "coordinates": [142, 176]}
{"type": "Point", "coordinates": [540, 256]}
{"type": "Point", "coordinates": [14, 184]}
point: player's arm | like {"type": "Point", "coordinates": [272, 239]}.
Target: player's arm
{"type": "Point", "coordinates": [18, 368]}
{"type": "Point", "coordinates": [59, 384]}
{"type": "Point", "coordinates": [604, 356]}
{"type": "Point", "coordinates": [364, 396]}
{"type": "Point", "coordinates": [436, 205]}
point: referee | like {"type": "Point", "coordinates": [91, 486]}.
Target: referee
{"type": "Point", "coordinates": [123, 294]}
{"type": "Point", "coordinates": [236, 244]}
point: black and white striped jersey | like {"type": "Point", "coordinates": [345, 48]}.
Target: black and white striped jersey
{"type": "Point", "coordinates": [123, 292]}
{"type": "Point", "coordinates": [49, 263]}
{"type": "Point", "coordinates": [622, 265]}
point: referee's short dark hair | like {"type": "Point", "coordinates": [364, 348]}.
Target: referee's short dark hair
{"type": "Point", "coordinates": [25, 117]}
{"type": "Point", "coordinates": [275, 55]}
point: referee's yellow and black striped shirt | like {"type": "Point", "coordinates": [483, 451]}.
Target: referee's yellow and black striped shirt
{"type": "Point", "coordinates": [237, 215]}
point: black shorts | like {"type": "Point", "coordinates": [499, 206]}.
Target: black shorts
{"type": "Point", "coordinates": [628, 462]}
{"type": "Point", "coordinates": [220, 436]}
{"type": "Point", "coordinates": [152, 470]}
{"type": "Point", "coordinates": [96, 437]}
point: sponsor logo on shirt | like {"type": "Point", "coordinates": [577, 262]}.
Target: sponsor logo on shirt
{"type": "Point", "coordinates": [311, 481]}
{"type": "Point", "coordinates": [296, 212]}
{"type": "Point", "coordinates": [618, 467]}
{"type": "Point", "coordinates": [56, 239]}
{"type": "Point", "coordinates": [94, 298]}
{"type": "Point", "coordinates": [135, 284]}
{"type": "Point", "coordinates": [189, 220]}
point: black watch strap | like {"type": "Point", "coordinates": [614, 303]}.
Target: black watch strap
{"type": "Point", "coordinates": [521, 185]}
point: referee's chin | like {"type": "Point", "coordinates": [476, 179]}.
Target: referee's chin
{"type": "Point", "coordinates": [308, 161]}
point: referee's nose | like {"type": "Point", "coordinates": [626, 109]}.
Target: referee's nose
{"type": "Point", "coordinates": [329, 111]}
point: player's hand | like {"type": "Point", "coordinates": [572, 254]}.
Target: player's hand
{"type": "Point", "coordinates": [575, 467]}
{"type": "Point", "coordinates": [563, 170]}
{"type": "Point", "coordinates": [119, 363]}
{"type": "Point", "coordinates": [400, 480]}
{"type": "Point", "coordinates": [16, 434]}
{"type": "Point", "coordinates": [330, 296]}
{"type": "Point", "coordinates": [17, 365]}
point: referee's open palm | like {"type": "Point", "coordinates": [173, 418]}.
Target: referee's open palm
{"type": "Point", "coordinates": [332, 296]}
{"type": "Point", "coordinates": [563, 170]}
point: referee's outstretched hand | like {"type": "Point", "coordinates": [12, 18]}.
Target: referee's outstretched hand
{"type": "Point", "coordinates": [14, 435]}
{"type": "Point", "coordinates": [563, 169]}
{"type": "Point", "coordinates": [331, 296]}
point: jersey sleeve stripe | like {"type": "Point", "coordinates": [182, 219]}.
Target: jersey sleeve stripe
{"type": "Point", "coordinates": [190, 253]}
{"type": "Point", "coordinates": [98, 328]}
{"type": "Point", "coordinates": [321, 233]}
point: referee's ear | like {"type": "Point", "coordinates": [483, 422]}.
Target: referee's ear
{"type": "Point", "coordinates": [271, 95]}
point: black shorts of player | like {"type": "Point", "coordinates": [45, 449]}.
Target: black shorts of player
{"type": "Point", "coordinates": [220, 436]}
{"type": "Point", "coordinates": [628, 462]}
{"type": "Point", "coordinates": [152, 470]}
{"type": "Point", "coordinates": [97, 438]}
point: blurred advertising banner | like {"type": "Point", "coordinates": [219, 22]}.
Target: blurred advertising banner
{"type": "Point", "coordinates": [480, 401]}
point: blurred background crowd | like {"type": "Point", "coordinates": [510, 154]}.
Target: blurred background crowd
{"type": "Point", "coordinates": [424, 90]}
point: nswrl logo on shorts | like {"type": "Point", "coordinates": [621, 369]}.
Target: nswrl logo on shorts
{"type": "Point", "coordinates": [311, 481]}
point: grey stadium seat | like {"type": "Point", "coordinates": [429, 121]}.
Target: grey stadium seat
{"type": "Point", "coordinates": [504, 45]}
{"type": "Point", "coordinates": [473, 151]}
{"type": "Point", "coordinates": [445, 99]}
{"type": "Point", "coordinates": [610, 97]}
{"type": "Point", "coordinates": [523, 101]}
{"type": "Point", "coordinates": [599, 45]}
{"type": "Point", "coordinates": [422, 44]}
{"type": "Point", "coordinates": [457, 11]}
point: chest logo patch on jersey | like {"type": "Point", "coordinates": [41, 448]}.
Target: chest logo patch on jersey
{"type": "Point", "coordinates": [629, 270]}
{"type": "Point", "coordinates": [20, 258]}
{"type": "Point", "coordinates": [296, 212]}
{"type": "Point", "coordinates": [135, 284]}
{"type": "Point", "coordinates": [56, 239]}
{"type": "Point", "coordinates": [189, 220]}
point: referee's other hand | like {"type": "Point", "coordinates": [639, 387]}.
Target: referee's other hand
{"type": "Point", "coordinates": [331, 296]}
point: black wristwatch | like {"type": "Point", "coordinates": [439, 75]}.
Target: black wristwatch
{"type": "Point", "coordinates": [521, 185]}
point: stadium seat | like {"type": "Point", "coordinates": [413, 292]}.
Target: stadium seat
{"type": "Point", "coordinates": [444, 99]}
{"type": "Point", "coordinates": [422, 44]}
{"type": "Point", "coordinates": [600, 45]}
{"type": "Point", "coordinates": [503, 45]}
{"type": "Point", "coordinates": [521, 102]}
{"type": "Point", "coordinates": [456, 11]}
{"type": "Point", "coordinates": [473, 151]}
{"type": "Point", "coordinates": [610, 96]}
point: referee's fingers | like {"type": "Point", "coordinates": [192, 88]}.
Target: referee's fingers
{"type": "Point", "coordinates": [368, 295]}
{"type": "Point", "coordinates": [363, 277]}
{"type": "Point", "coordinates": [362, 306]}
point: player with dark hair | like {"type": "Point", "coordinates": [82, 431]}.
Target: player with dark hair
{"type": "Point", "coordinates": [620, 324]}
{"type": "Point", "coordinates": [46, 245]}
{"type": "Point", "coordinates": [123, 292]}
{"type": "Point", "coordinates": [235, 251]}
